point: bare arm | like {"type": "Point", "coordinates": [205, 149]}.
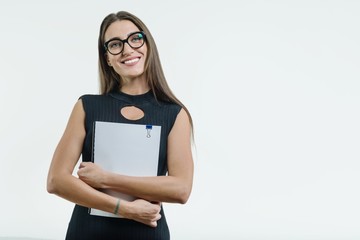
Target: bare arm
{"type": "Point", "coordinates": [62, 183]}
{"type": "Point", "coordinates": [176, 187]}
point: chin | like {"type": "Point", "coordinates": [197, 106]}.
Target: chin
{"type": "Point", "coordinates": [134, 74]}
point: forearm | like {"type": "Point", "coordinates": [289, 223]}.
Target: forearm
{"type": "Point", "coordinates": [76, 191]}
{"type": "Point", "coordinates": [159, 189]}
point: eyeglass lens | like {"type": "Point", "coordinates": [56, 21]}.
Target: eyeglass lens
{"type": "Point", "coordinates": [116, 46]}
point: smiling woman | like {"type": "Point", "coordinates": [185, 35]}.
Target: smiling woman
{"type": "Point", "coordinates": [133, 91]}
{"type": "Point", "coordinates": [126, 57]}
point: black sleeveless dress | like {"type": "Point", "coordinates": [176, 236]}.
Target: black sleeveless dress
{"type": "Point", "coordinates": [107, 108]}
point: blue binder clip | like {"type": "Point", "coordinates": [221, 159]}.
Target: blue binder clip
{"type": "Point", "coordinates": [148, 130]}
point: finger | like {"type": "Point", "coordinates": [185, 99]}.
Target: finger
{"type": "Point", "coordinates": [82, 164]}
{"type": "Point", "coordinates": [157, 217]}
{"type": "Point", "coordinates": [158, 207]}
{"type": "Point", "coordinates": [149, 223]}
{"type": "Point", "coordinates": [155, 210]}
{"type": "Point", "coordinates": [153, 224]}
{"type": "Point", "coordinates": [81, 172]}
{"type": "Point", "coordinates": [85, 164]}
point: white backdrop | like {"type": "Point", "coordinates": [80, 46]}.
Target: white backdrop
{"type": "Point", "coordinates": [273, 87]}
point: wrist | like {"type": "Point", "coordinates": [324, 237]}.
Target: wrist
{"type": "Point", "coordinates": [116, 209]}
{"type": "Point", "coordinates": [124, 208]}
{"type": "Point", "coordinates": [105, 180]}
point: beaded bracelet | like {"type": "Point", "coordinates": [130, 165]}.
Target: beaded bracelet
{"type": "Point", "coordinates": [117, 207]}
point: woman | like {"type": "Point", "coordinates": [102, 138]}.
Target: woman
{"type": "Point", "coordinates": [133, 90]}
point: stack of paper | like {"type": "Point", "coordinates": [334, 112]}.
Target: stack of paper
{"type": "Point", "coordinates": [126, 149]}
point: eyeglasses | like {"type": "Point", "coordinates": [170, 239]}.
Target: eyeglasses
{"type": "Point", "coordinates": [115, 45]}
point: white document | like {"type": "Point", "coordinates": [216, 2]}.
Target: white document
{"type": "Point", "coordinates": [127, 149]}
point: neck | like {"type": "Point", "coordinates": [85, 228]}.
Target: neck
{"type": "Point", "coordinates": [135, 87]}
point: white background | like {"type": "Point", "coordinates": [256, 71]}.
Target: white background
{"type": "Point", "coordinates": [273, 87]}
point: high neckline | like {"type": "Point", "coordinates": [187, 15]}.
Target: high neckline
{"type": "Point", "coordinates": [133, 95]}
{"type": "Point", "coordinates": [133, 99]}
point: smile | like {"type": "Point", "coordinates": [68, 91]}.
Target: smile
{"type": "Point", "coordinates": [131, 61]}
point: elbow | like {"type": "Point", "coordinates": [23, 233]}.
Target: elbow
{"type": "Point", "coordinates": [183, 199]}
{"type": "Point", "coordinates": [183, 195]}
{"type": "Point", "coordinates": [52, 185]}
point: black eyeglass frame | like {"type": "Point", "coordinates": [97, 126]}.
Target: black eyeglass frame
{"type": "Point", "coordinates": [124, 41]}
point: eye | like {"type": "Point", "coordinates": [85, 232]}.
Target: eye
{"type": "Point", "coordinates": [115, 44]}
{"type": "Point", "coordinates": [137, 37]}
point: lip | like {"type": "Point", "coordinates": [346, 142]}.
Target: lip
{"type": "Point", "coordinates": [129, 59]}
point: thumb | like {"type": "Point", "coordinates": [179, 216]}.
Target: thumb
{"type": "Point", "coordinates": [83, 164]}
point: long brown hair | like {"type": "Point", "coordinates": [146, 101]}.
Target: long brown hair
{"type": "Point", "coordinates": [110, 80]}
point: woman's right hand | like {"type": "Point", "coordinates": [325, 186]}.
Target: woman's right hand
{"type": "Point", "coordinates": [143, 211]}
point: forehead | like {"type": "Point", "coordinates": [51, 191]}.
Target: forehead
{"type": "Point", "coordinates": [120, 29]}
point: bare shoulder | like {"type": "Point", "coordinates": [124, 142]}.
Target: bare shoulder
{"type": "Point", "coordinates": [182, 119]}
{"type": "Point", "coordinates": [79, 106]}
{"type": "Point", "coordinates": [76, 123]}
{"type": "Point", "coordinates": [78, 112]}
{"type": "Point", "coordinates": [181, 130]}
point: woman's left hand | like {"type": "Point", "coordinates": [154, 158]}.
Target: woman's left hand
{"type": "Point", "coordinates": [91, 174]}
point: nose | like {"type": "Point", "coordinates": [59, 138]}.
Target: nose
{"type": "Point", "coordinates": [127, 49]}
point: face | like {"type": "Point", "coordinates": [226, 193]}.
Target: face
{"type": "Point", "coordinates": [129, 64]}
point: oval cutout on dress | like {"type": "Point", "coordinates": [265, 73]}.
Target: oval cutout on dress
{"type": "Point", "coordinates": [132, 113]}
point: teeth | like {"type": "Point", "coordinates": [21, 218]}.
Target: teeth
{"type": "Point", "coordinates": [132, 60]}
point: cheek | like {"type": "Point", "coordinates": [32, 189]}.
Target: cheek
{"type": "Point", "coordinates": [145, 52]}
{"type": "Point", "coordinates": [110, 60]}
{"type": "Point", "coordinates": [113, 62]}
{"type": "Point", "coordinates": [145, 56]}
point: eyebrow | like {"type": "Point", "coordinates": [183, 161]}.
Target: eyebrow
{"type": "Point", "coordinates": [117, 38]}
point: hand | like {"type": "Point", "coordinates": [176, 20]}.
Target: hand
{"type": "Point", "coordinates": [91, 174]}
{"type": "Point", "coordinates": [145, 212]}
